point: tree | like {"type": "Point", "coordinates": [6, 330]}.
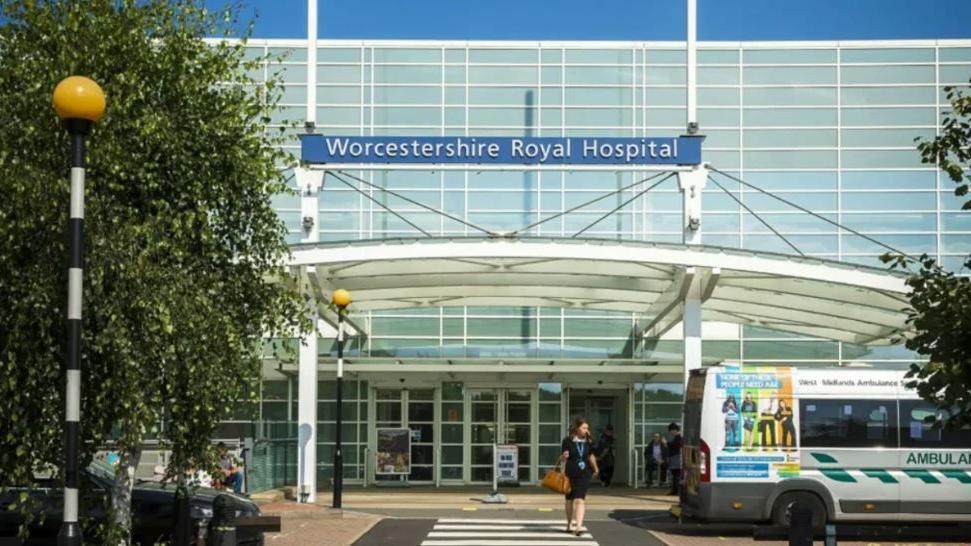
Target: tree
{"type": "Point", "coordinates": [940, 300]}
{"type": "Point", "coordinates": [182, 243]}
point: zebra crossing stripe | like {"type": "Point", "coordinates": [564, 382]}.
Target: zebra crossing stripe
{"type": "Point", "coordinates": [503, 532]}
{"type": "Point", "coordinates": [497, 527]}
{"type": "Point", "coordinates": [509, 521]}
{"type": "Point", "coordinates": [500, 542]}
{"type": "Point", "coordinates": [497, 534]}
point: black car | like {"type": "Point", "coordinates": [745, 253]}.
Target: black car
{"type": "Point", "coordinates": [153, 508]}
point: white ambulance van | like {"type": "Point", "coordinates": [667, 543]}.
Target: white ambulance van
{"type": "Point", "coordinates": [853, 444]}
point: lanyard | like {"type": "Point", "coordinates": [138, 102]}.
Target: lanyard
{"type": "Point", "coordinates": [581, 449]}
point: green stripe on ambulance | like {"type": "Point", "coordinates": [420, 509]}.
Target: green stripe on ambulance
{"type": "Point", "coordinates": [884, 476]}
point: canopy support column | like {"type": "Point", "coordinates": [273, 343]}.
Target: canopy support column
{"type": "Point", "coordinates": [309, 183]}
{"type": "Point", "coordinates": [307, 415]}
{"type": "Point", "coordinates": [691, 328]}
{"type": "Point", "coordinates": [692, 183]}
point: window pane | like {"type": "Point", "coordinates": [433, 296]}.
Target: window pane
{"type": "Point", "coordinates": [451, 454]}
{"type": "Point", "coordinates": [853, 138]}
{"type": "Point", "coordinates": [797, 138]}
{"type": "Point", "coordinates": [665, 56]}
{"type": "Point", "coordinates": [885, 180]}
{"type": "Point", "coordinates": [887, 55]}
{"type": "Point", "coordinates": [520, 56]}
{"type": "Point", "coordinates": [407, 95]}
{"type": "Point", "coordinates": [790, 96]}
{"type": "Point", "coordinates": [921, 425]}
{"type": "Point", "coordinates": [955, 54]}
{"type": "Point", "coordinates": [852, 96]}
{"type": "Point", "coordinates": [407, 55]}
{"type": "Point", "coordinates": [776, 117]}
{"type": "Point", "coordinates": [717, 75]}
{"type": "Point", "coordinates": [661, 75]}
{"type": "Point", "coordinates": [599, 56]}
{"type": "Point", "coordinates": [888, 116]}
{"type": "Point", "coordinates": [550, 391]}
{"type": "Point", "coordinates": [599, 96]}
{"type": "Point", "coordinates": [848, 423]}
{"type": "Point", "coordinates": [452, 434]}
{"type": "Point", "coordinates": [502, 74]}
{"type": "Point", "coordinates": [407, 74]}
{"type": "Point", "coordinates": [717, 56]}
{"type": "Point", "coordinates": [788, 56]}
{"type": "Point", "coordinates": [513, 96]}
{"type": "Point", "coordinates": [895, 159]}
{"type": "Point", "coordinates": [789, 74]}
{"type": "Point", "coordinates": [886, 74]}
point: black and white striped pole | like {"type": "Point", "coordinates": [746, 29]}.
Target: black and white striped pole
{"type": "Point", "coordinates": [79, 103]}
{"type": "Point", "coordinates": [341, 299]}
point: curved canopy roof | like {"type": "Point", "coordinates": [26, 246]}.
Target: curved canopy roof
{"type": "Point", "coordinates": [808, 296]}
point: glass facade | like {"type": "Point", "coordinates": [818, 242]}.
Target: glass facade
{"type": "Point", "coordinates": [827, 126]}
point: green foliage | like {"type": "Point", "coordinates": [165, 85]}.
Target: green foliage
{"type": "Point", "coordinates": [949, 150]}
{"type": "Point", "coordinates": [940, 301]}
{"type": "Point", "coordinates": [182, 243]}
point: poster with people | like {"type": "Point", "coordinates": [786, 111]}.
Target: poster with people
{"type": "Point", "coordinates": [759, 424]}
{"type": "Point", "coordinates": [394, 451]}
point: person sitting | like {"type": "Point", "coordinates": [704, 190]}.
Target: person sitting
{"type": "Point", "coordinates": [231, 474]}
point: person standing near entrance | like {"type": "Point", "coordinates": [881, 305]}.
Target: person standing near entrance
{"type": "Point", "coordinates": [674, 458]}
{"type": "Point", "coordinates": [656, 455]}
{"type": "Point", "coordinates": [606, 457]}
{"type": "Point", "coordinates": [580, 467]}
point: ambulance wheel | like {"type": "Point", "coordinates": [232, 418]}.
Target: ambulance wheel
{"type": "Point", "coordinates": [785, 504]}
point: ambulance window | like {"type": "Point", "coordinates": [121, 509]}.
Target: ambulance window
{"type": "Point", "coordinates": [922, 425]}
{"type": "Point", "coordinates": [848, 423]}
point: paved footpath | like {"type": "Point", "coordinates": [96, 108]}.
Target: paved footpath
{"type": "Point", "coordinates": [306, 525]}
{"type": "Point", "coordinates": [458, 518]}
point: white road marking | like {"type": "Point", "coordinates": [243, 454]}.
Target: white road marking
{"type": "Point", "coordinates": [504, 532]}
{"type": "Point", "coordinates": [489, 542]}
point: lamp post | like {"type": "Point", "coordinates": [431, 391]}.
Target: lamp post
{"type": "Point", "coordinates": [79, 102]}
{"type": "Point", "coordinates": [341, 299]}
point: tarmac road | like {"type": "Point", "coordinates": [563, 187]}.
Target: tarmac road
{"type": "Point", "coordinates": [527, 527]}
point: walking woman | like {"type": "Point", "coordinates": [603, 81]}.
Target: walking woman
{"type": "Point", "coordinates": [580, 467]}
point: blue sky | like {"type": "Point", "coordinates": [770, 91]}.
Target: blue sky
{"type": "Point", "coordinates": [613, 19]}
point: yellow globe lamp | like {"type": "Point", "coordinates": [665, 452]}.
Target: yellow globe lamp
{"type": "Point", "coordinates": [77, 97]}
{"type": "Point", "coordinates": [341, 298]}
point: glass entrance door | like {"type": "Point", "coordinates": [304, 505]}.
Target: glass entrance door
{"type": "Point", "coordinates": [413, 409]}
{"type": "Point", "coordinates": [517, 423]}
{"type": "Point", "coordinates": [421, 422]}
{"type": "Point", "coordinates": [600, 411]}
{"type": "Point", "coordinates": [483, 421]}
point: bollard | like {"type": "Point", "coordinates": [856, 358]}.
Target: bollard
{"type": "Point", "coordinates": [800, 525]}
{"type": "Point", "coordinates": [182, 534]}
{"type": "Point", "coordinates": [830, 539]}
{"type": "Point", "coordinates": [222, 527]}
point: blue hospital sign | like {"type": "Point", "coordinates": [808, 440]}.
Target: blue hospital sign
{"type": "Point", "coordinates": [684, 150]}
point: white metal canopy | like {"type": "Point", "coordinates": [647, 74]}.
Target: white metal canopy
{"type": "Point", "coordinates": [808, 296]}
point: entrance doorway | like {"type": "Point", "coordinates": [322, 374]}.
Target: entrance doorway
{"type": "Point", "coordinates": [602, 407]}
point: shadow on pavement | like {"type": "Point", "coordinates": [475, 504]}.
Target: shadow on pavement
{"type": "Point", "coordinates": [397, 532]}
{"type": "Point", "coordinates": [662, 521]}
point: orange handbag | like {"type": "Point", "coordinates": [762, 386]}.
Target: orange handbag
{"type": "Point", "coordinates": [556, 480]}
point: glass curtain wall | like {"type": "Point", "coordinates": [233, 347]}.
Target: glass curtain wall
{"type": "Point", "coordinates": [830, 128]}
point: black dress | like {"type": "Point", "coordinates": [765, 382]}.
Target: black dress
{"type": "Point", "coordinates": [578, 473]}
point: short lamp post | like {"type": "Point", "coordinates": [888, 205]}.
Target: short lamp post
{"type": "Point", "coordinates": [341, 299]}
{"type": "Point", "coordinates": [79, 102]}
